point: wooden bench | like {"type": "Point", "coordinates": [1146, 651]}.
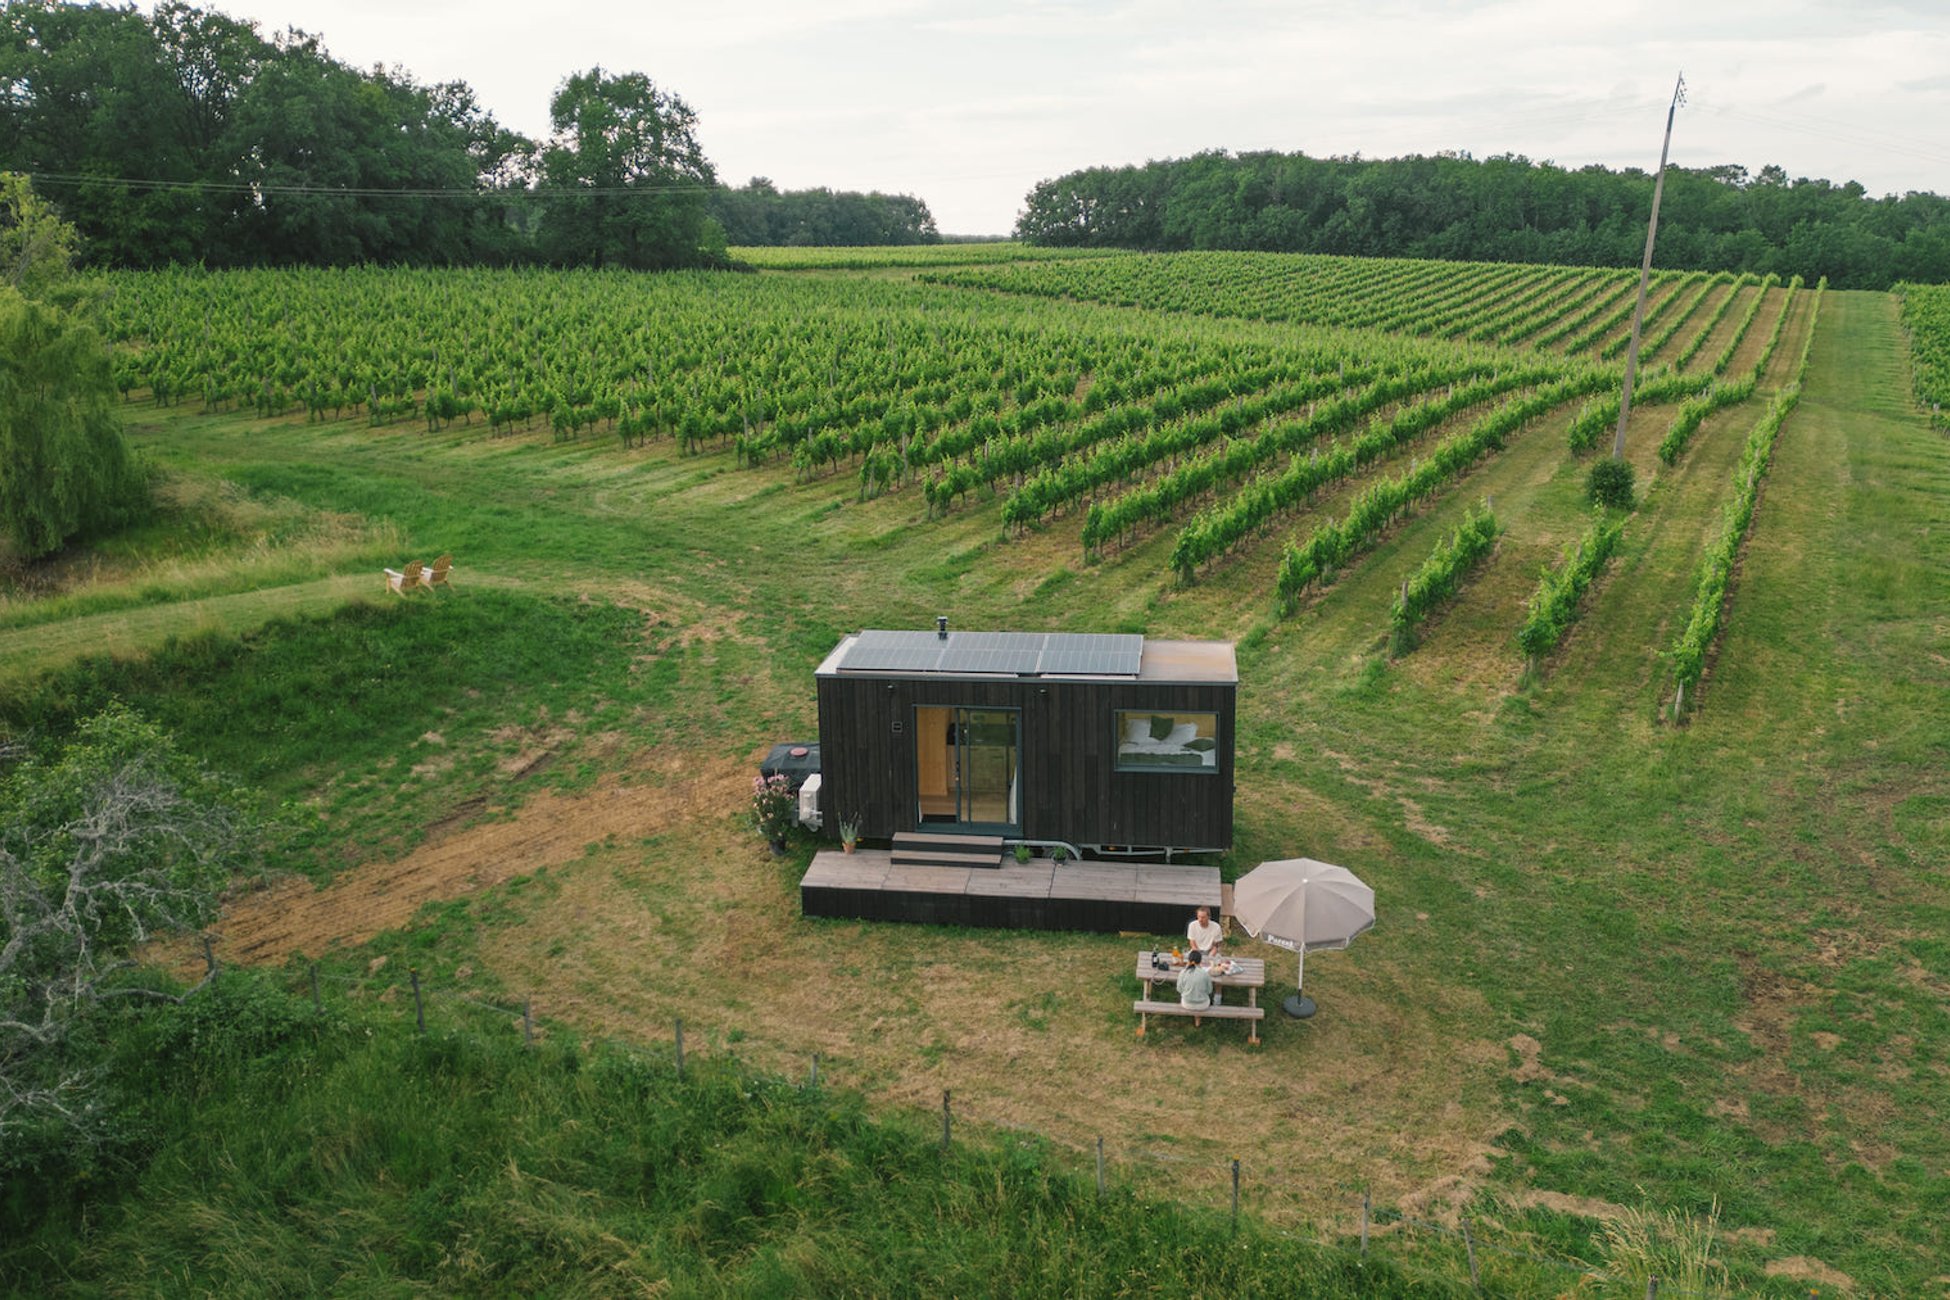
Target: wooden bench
{"type": "Point", "coordinates": [1218, 1011]}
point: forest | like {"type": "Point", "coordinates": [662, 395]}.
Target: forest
{"type": "Point", "coordinates": [184, 135]}
{"type": "Point", "coordinates": [1502, 209]}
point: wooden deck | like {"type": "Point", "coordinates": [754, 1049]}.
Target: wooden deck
{"type": "Point", "coordinates": [1040, 895]}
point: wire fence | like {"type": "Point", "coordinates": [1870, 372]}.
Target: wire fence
{"type": "Point", "coordinates": [1229, 1187]}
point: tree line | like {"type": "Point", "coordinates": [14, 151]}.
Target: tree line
{"type": "Point", "coordinates": [185, 135]}
{"type": "Point", "coordinates": [1502, 209]}
{"type": "Point", "coordinates": [762, 214]}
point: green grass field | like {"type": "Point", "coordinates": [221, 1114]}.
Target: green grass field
{"type": "Point", "coordinates": [1620, 962]}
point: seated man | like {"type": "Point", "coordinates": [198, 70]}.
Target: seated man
{"type": "Point", "coordinates": [1204, 933]}
{"type": "Point", "coordinates": [1194, 984]}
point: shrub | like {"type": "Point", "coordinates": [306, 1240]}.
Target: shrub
{"type": "Point", "coordinates": [1611, 484]}
{"type": "Point", "coordinates": [774, 808]}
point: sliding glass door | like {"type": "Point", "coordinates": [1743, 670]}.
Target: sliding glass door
{"type": "Point", "coordinates": [969, 765]}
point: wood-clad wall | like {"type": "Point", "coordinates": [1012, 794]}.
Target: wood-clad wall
{"type": "Point", "coordinates": [1071, 789]}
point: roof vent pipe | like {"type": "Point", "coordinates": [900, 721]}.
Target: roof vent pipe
{"type": "Point", "coordinates": [941, 626]}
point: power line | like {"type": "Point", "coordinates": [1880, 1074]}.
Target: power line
{"type": "Point", "coordinates": [1880, 140]}
{"type": "Point", "coordinates": [257, 188]}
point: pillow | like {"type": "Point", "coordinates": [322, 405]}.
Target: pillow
{"type": "Point", "coordinates": [1137, 729]}
{"type": "Point", "coordinates": [1161, 726]}
{"type": "Point", "coordinates": [1182, 735]}
{"type": "Point", "coordinates": [1203, 745]}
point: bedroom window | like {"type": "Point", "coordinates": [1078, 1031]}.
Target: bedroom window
{"type": "Point", "coordinates": [1167, 742]}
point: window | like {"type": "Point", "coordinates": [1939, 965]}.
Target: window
{"type": "Point", "coordinates": [1174, 742]}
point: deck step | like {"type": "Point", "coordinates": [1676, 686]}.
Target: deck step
{"type": "Point", "coordinates": [919, 849]}
{"type": "Point", "coordinates": [948, 840]}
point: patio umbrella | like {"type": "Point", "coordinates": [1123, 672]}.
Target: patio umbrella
{"type": "Point", "coordinates": [1303, 906]}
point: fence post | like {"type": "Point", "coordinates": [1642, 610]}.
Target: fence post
{"type": "Point", "coordinates": [947, 1132]}
{"type": "Point", "coordinates": [317, 1003]}
{"type": "Point", "coordinates": [680, 1047]}
{"type": "Point", "coordinates": [527, 1022]}
{"type": "Point", "coordinates": [1469, 1245]}
{"type": "Point", "coordinates": [1235, 1196]}
{"type": "Point", "coordinates": [1100, 1166]}
{"type": "Point", "coordinates": [1364, 1223]}
{"type": "Point", "coordinates": [419, 1007]}
{"type": "Point", "coordinates": [814, 1080]}
{"type": "Point", "coordinates": [1652, 1288]}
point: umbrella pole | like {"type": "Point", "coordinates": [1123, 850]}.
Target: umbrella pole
{"type": "Point", "coordinates": [1300, 1006]}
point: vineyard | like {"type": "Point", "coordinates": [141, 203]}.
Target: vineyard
{"type": "Point", "coordinates": [886, 257]}
{"type": "Point", "coordinates": [1926, 319]}
{"type": "Point", "coordinates": [1370, 390]}
{"type": "Point", "coordinates": [1576, 312]}
{"type": "Point", "coordinates": [1609, 769]}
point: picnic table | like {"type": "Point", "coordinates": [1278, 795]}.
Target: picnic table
{"type": "Point", "coordinates": [1248, 973]}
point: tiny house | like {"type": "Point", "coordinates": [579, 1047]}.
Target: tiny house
{"type": "Point", "coordinates": [1106, 743]}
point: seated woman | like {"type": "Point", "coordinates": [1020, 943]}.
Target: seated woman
{"type": "Point", "coordinates": [1194, 984]}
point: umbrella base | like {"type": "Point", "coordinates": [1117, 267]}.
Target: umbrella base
{"type": "Point", "coordinates": [1299, 1006]}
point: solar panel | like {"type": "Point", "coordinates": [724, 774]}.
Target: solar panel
{"type": "Point", "coordinates": [880, 651]}
{"type": "Point", "coordinates": [1093, 654]}
{"type": "Point", "coordinates": [991, 652]}
{"type": "Point", "coordinates": [1001, 653]}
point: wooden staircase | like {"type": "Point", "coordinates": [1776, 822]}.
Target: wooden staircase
{"type": "Point", "coordinates": [920, 849]}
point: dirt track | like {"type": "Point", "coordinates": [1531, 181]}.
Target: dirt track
{"type": "Point", "coordinates": [294, 917]}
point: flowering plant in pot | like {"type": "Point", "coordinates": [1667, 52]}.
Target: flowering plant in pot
{"type": "Point", "coordinates": [773, 809]}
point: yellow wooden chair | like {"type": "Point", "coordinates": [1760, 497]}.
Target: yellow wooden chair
{"type": "Point", "coordinates": [400, 583]}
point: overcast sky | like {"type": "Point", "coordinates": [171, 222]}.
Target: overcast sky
{"type": "Point", "coordinates": [969, 105]}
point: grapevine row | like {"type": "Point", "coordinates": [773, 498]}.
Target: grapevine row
{"type": "Point", "coordinates": [1554, 605]}
{"type": "Point", "coordinates": [1926, 319]}
{"type": "Point", "coordinates": [1480, 300]}
{"type": "Point", "coordinates": [1440, 575]}
{"type": "Point", "coordinates": [1693, 412]}
{"type": "Point", "coordinates": [1218, 528]}
{"type": "Point", "coordinates": [1379, 504]}
{"type": "Point", "coordinates": [1650, 347]}
{"type": "Point", "coordinates": [1718, 314]}
{"type": "Point", "coordinates": [1716, 566]}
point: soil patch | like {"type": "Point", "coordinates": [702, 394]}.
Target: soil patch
{"type": "Point", "coordinates": [1806, 1268]}
{"type": "Point", "coordinates": [292, 916]}
{"type": "Point", "coordinates": [1586, 1207]}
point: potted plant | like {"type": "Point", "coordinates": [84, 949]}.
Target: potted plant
{"type": "Point", "coordinates": [1024, 853]}
{"type": "Point", "coordinates": [850, 832]}
{"type": "Point", "coordinates": [773, 809]}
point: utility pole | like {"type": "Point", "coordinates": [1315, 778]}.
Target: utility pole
{"type": "Point", "coordinates": [1645, 274]}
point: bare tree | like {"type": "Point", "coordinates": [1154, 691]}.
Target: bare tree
{"type": "Point", "coordinates": [115, 840]}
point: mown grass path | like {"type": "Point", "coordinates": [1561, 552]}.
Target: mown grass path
{"type": "Point", "coordinates": [123, 632]}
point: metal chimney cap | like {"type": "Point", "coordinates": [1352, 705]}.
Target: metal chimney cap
{"type": "Point", "coordinates": [941, 626]}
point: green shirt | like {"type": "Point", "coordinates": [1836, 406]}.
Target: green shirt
{"type": "Point", "coordinates": [1195, 987]}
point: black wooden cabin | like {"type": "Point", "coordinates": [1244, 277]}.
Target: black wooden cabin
{"type": "Point", "coordinates": [1107, 743]}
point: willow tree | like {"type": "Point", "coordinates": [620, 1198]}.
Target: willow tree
{"type": "Point", "coordinates": [64, 468]}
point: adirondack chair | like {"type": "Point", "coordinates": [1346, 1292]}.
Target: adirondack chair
{"type": "Point", "coordinates": [436, 576]}
{"type": "Point", "coordinates": [400, 583]}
